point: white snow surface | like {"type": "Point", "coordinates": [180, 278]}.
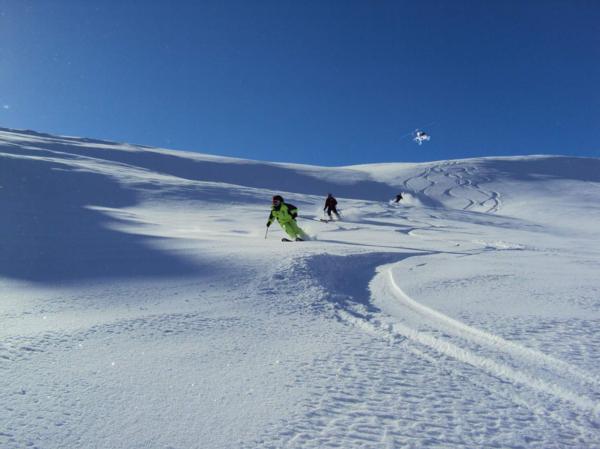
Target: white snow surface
{"type": "Point", "coordinates": [142, 307]}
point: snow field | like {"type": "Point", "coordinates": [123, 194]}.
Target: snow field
{"type": "Point", "coordinates": [143, 307]}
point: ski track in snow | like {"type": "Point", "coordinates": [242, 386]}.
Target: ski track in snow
{"type": "Point", "coordinates": [464, 178]}
{"type": "Point", "coordinates": [532, 358]}
{"type": "Point", "coordinates": [422, 342]}
{"type": "Point", "coordinates": [467, 193]}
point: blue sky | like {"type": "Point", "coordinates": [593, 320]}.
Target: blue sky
{"type": "Point", "coordinates": [319, 82]}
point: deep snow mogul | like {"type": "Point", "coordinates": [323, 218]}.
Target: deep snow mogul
{"type": "Point", "coordinates": [286, 214]}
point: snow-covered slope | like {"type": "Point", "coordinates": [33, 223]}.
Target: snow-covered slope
{"type": "Point", "coordinates": [143, 307]}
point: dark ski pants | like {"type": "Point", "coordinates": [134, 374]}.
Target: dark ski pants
{"type": "Point", "coordinates": [334, 210]}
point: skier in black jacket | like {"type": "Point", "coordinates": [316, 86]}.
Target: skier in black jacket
{"type": "Point", "coordinates": [330, 206]}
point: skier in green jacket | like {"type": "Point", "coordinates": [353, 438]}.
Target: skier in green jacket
{"type": "Point", "coordinates": [286, 216]}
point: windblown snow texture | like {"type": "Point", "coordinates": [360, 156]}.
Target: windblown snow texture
{"type": "Point", "coordinates": [142, 306]}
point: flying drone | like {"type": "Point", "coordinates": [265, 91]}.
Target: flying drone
{"type": "Point", "coordinates": [421, 136]}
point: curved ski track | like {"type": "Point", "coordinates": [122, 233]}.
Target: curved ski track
{"type": "Point", "coordinates": [464, 190]}
{"type": "Point", "coordinates": [558, 372]}
{"type": "Point", "coordinates": [419, 378]}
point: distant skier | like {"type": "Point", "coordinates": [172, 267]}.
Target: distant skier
{"type": "Point", "coordinates": [330, 206]}
{"type": "Point", "coordinates": [286, 214]}
{"type": "Point", "coordinates": [398, 198]}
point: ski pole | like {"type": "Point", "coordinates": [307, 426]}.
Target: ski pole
{"type": "Point", "coordinates": [266, 233]}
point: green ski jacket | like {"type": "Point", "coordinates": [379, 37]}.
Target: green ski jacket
{"type": "Point", "coordinates": [284, 213]}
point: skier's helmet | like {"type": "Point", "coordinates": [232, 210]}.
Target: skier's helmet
{"type": "Point", "coordinates": [277, 199]}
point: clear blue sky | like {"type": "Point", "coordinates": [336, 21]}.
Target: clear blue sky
{"type": "Point", "coordinates": [311, 81]}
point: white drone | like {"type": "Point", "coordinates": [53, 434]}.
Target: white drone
{"type": "Point", "coordinates": [421, 136]}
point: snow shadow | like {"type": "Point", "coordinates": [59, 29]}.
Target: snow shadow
{"type": "Point", "coordinates": [49, 234]}
{"type": "Point", "coordinates": [347, 278]}
{"type": "Point", "coordinates": [263, 175]}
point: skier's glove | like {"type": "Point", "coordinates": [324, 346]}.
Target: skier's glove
{"type": "Point", "coordinates": [294, 216]}
{"type": "Point", "coordinates": [268, 224]}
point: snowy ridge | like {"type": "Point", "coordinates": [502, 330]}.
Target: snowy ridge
{"type": "Point", "coordinates": [142, 305]}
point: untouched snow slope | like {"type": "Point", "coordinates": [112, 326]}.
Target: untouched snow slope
{"type": "Point", "coordinates": [142, 306]}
